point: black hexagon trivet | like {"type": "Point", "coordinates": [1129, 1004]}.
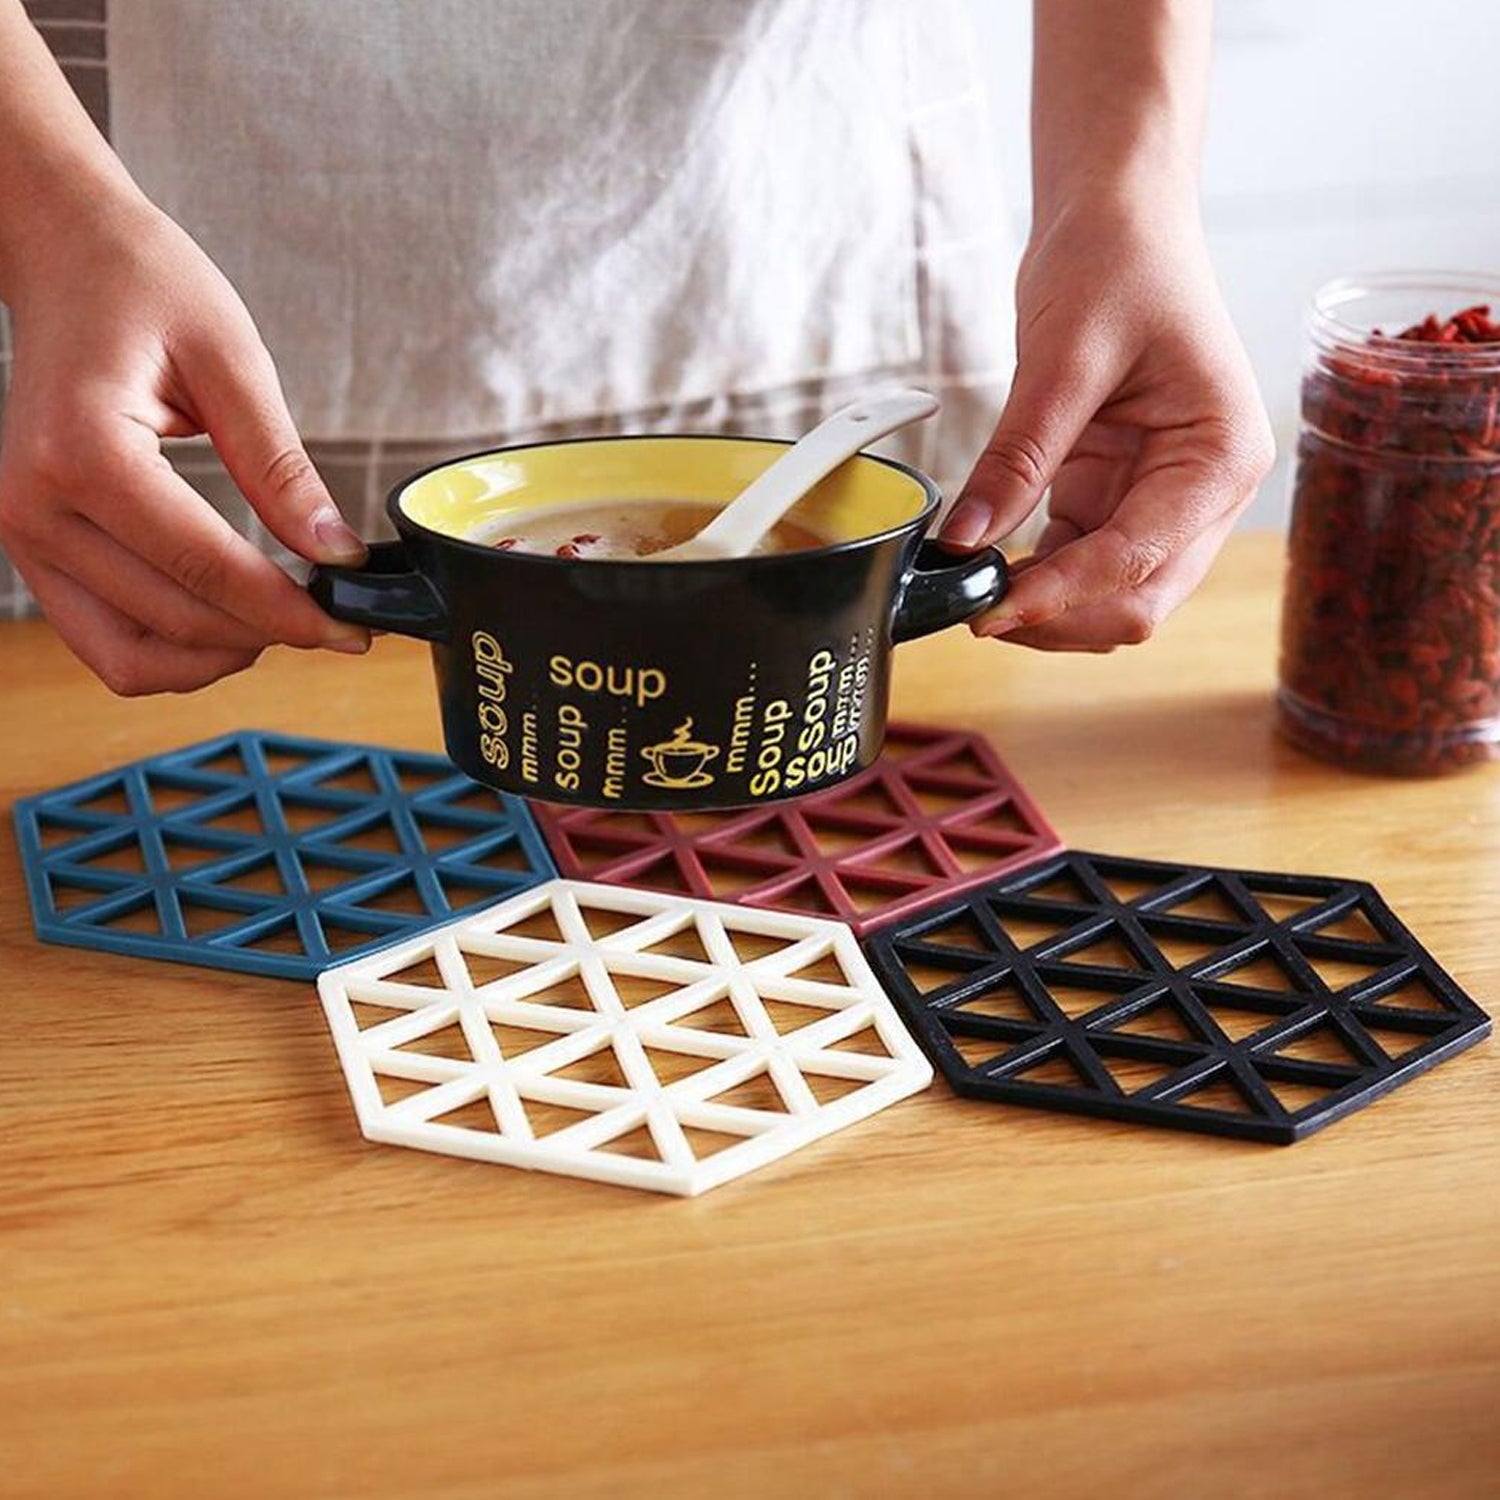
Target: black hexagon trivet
{"type": "Point", "coordinates": [1233, 1002]}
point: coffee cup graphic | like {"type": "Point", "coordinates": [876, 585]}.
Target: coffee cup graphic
{"type": "Point", "coordinates": [679, 762]}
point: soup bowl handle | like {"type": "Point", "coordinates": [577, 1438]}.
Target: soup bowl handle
{"type": "Point", "coordinates": [386, 593]}
{"type": "Point", "coordinates": [944, 588]}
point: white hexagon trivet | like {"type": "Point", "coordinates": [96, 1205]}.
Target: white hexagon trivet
{"type": "Point", "coordinates": [633, 1037]}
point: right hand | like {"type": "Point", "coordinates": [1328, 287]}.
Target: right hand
{"type": "Point", "coordinates": [126, 333]}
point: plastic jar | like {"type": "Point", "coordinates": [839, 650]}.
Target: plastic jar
{"type": "Point", "coordinates": [1391, 626]}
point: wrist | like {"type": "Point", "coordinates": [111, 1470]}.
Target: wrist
{"type": "Point", "coordinates": [1149, 191]}
{"type": "Point", "coordinates": [1118, 102]}
{"type": "Point", "coordinates": [47, 217]}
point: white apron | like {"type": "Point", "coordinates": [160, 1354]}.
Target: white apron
{"type": "Point", "coordinates": [460, 222]}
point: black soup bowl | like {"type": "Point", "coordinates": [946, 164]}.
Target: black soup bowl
{"type": "Point", "coordinates": [660, 685]}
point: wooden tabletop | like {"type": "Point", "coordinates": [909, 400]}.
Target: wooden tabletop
{"type": "Point", "coordinates": [210, 1285]}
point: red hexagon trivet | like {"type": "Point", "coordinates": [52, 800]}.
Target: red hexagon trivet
{"type": "Point", "coordinates": [937, 813]}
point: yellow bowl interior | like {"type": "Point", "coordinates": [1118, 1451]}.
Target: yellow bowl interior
{"type": "Point", "coordinates": [861, 498]}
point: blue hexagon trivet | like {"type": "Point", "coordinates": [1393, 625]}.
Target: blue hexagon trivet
{"type": "Point", "coordinates": [269, 853]}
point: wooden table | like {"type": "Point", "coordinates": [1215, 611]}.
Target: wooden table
{"type": "Point", "coordinates": [211, 1286]}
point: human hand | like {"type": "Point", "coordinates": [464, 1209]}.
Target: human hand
{"type": "Point", "coordinates": [126, 334]}
{"type": "Point", "coordinates": [1134, 401]}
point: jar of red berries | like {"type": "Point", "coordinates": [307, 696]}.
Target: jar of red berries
{"type": "Point", "coordinates": [1391, 628]}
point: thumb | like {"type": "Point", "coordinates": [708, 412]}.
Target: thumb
{"type": "Point", "coordinates": [1051, 401]}
{"type": "Point", "coordinates": [235, 390]}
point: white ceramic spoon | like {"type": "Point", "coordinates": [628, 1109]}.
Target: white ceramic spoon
{"type": "Point", "coordinates": [737, 528]}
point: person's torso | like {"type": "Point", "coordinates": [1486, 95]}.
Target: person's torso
{"type": "Point", "coordinates": [465, 214]}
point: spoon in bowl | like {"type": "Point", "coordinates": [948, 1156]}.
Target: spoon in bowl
{"type": "Point", "coordinates": [736, 530]}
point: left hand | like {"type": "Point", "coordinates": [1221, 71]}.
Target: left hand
{"type": "Point", "coordinates": [1134, 401]}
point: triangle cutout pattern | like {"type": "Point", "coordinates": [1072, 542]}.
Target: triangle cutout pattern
{"type": "Point", "coordinates": [1230, 1002]}
{"type": "Point", "coordinates": [937, 813]}
{"type": "Point", "coordinates": [274, 854]}
{"type": "Point", "coordinates": [667, 1067]}
{"type": "Point", "coordinates": [1055, 1070]}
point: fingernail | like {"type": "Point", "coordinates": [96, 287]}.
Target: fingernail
{"type": "Point", "coordinates": [333, 534]}
{"type": "Point", "coordinates": [351, 643]}
{"type": "Point", "coordinates": [966, 526]}
{"type": "Point", "coordinates": [1000, 623]}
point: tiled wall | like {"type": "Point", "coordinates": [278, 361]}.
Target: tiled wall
{"type": "Point", "coordinates": [1342, 137]}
